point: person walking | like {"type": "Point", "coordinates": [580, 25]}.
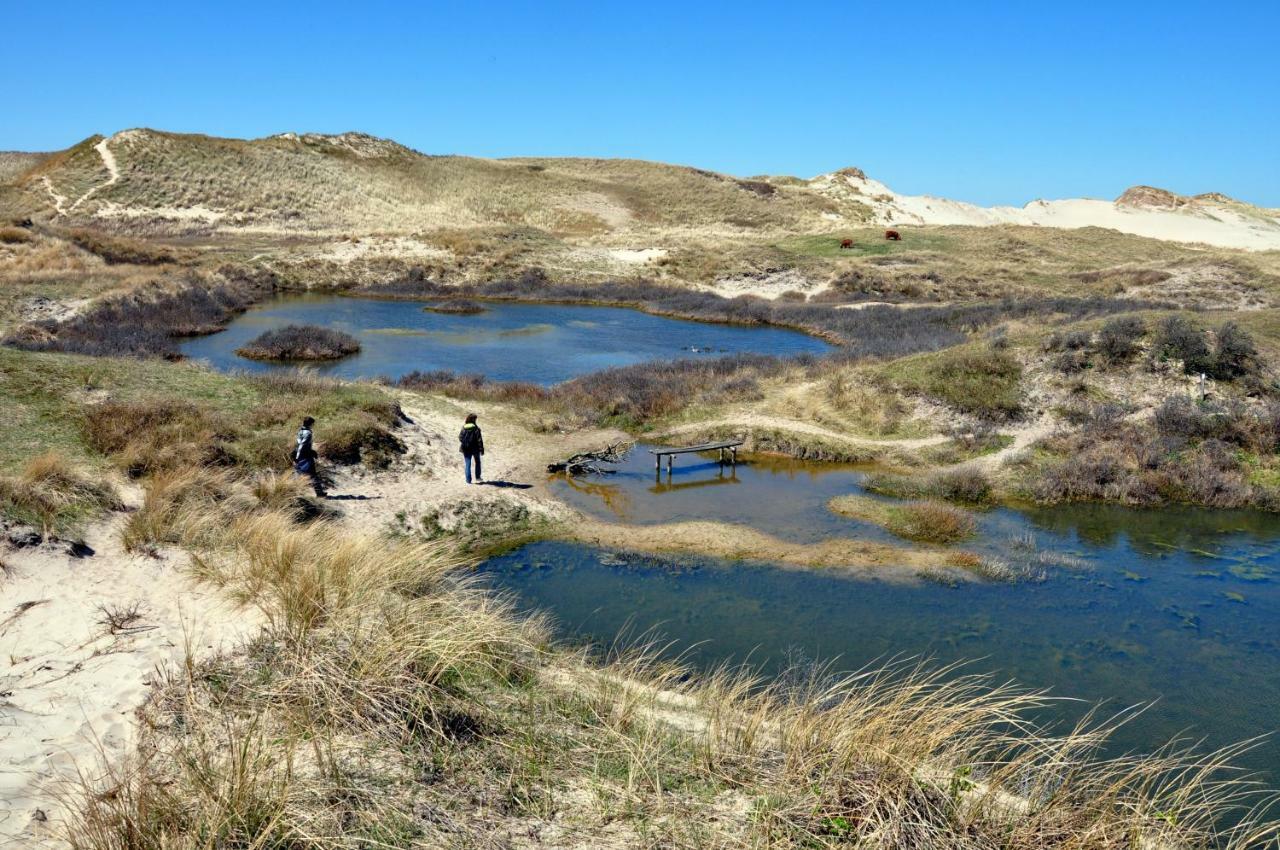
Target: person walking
{"type": "Point", "coordinates": [471, 442]}
{"type": "Point", "coordinates": [304, 455]}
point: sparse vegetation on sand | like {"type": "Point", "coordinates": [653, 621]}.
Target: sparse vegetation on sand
{"type": "Point", "coordinates": [387, 703]}
{"type": "Point", "coordinates": [926, 521]}
{"type": "Point", "coordinates": [300, 342]}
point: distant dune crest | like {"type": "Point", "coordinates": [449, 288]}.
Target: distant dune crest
{"type": "Point", "coordinates": [353, 182]}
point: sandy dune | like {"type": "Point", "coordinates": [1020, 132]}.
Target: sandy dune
{"type": "Point", "coordinates": [69, 686]}
{"type": "Point", "coordinates": [1211, 220]}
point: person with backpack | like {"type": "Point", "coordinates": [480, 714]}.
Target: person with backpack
{"type": "Point", "coordinates": [471, 442]}
{"type": "Point", "coordinates": [304, 455]}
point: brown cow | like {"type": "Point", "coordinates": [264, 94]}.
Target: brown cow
{"type": "Point", "coordinates": [892, 235]}
{"type": "Point", "coordinates": [846, 243]}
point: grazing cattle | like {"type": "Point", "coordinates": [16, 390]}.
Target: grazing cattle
{"type": "Point", "coordinates": [892, 235]}
{"type": "Point", "coordinates": [846, 243]}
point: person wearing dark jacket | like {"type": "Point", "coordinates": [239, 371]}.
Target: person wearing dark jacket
{"type": "Point", "coordinates": [471, 442]}
{"type": "Point", "coordinates": [304, 455]}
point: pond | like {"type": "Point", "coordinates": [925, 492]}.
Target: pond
{"type": "Point", "coordinates": [1178, 607]}
{"type": "Point", "coordinates": [540, 343]}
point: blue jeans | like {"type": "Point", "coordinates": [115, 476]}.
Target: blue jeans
{"type": "Point", "coordinates": [466, 463]}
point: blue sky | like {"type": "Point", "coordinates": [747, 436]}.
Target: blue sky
{"type": "Point", "coordinates": [992, 103]}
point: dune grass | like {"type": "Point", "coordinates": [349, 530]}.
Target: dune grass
{"type": "Point", "coordinates": [924, 521]}
{"type": "Point", "coordinates": [54, 496]}
{"type": "Point", "coordinates": [389, 703]}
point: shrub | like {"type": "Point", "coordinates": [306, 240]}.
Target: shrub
{"type": "Point", "coordinates": [962, 484]}
{"type": "Point", "coordinates": [300, 342]}
{"type": "Point", "coordinates": [1118, 338]}
{"type": "Point", "coordinates": [1234, 353]}
{"type": "Point", "coordinates": [143, 323]}
{"type": "Point", "coordinates": [1178, 339]}
{"type": "Point", "coordinates": [1179, 416]}
{"type": "Point", "coordinates": [1070, 341]}
{"type": "Point", "coordinates": [1071, 362]}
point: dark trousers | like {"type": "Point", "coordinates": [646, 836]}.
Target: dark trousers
{"type": "Point", "coordinates": [466, 464]}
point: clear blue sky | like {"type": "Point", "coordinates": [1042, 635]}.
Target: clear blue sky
{"type": "Point", "coordinates": [993, 103]}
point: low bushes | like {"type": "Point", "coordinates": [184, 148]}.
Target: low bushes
{"type": "Point", "coordinates": [1194, 454]}
{"type": "Point", "coordinates": [624, 396]}
{"type": "Point", "coordinates": [1232, 355]}
{"type": "Point", "coordinates": [300, 342]}
{"type": "Point", "coordinates": [14, 236]}
{"type": "Point", "coordinates": [144, 323]}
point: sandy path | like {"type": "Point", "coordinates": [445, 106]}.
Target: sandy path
{"type": "Point", "coordinates": [758, 420]}
{"type": "Point", "coordinates": [69, 688]}
{"type": "Point", "coordinates": [1023, 439]}
{"type": "Point", "coordinates": [113, 176]}
{"type": "Point", "coordinates": [113, 173]}
{"type": "Point", "coordinates": [59, 201]}
{"type": "Point", "coordinates": [430, 474]}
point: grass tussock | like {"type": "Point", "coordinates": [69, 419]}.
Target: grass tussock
{"type": "Point", "coordinates": [925, 521]}
{"type": "Point", "coordinates": [54, 496]}
{"type": "Point", "coordinates": [967, 485]}
{"type": "Point", "coordinates": [386, 703]}
{"type": "Point", "coordinates": [300, 342]}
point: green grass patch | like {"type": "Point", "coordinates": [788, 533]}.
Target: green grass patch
{"type": "Point", "coordinates": [971, 378]}
{"type": "Point", "coordinates": [924, 521]}
{"type": "Point", "coordinates": [867, 242]}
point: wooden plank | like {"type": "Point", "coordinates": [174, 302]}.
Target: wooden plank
{"type": "Point", "coordinates": [704, 447]}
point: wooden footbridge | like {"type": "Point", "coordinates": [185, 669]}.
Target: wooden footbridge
{"type": "Point", "coordinates": [730, 446]}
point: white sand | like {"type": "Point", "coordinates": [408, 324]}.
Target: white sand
{"type": "Point", "coordinates": [1210, 221]}
{"type": "Point", "coordinates": [68, 687]}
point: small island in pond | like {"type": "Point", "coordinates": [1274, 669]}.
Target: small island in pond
{"type": "Point", "coordinates": [455, 308]}
{"type": "Point", "coordinates": [300, 342]}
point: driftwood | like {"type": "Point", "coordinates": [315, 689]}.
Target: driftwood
{"type": "Point", "coordinates": [593, 463]}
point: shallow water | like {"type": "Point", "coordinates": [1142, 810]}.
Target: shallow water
{"type": "Point", "coordinates": [1180, 606]}
{"type": "Point", "coordinates": [541, 343]}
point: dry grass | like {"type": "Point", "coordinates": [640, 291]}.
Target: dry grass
{"type": "Point", "coordinates": [923, 521]}
{"type": "Point", "coordinates": [54, 496]}
{"type": "Point", "coordinates": [387, 704]}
